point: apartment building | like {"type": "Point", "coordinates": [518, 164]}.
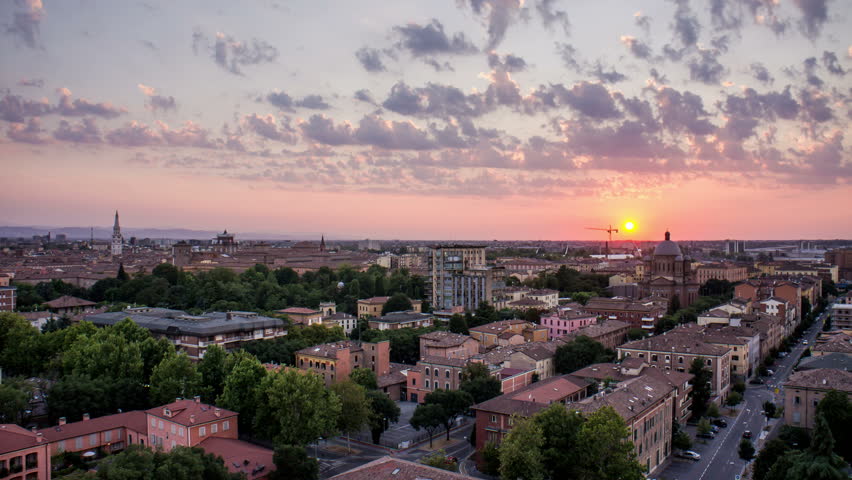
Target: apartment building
{"type": "Point", "coordinates": [397, 320]}
{"type": "Point", "coordinates": [448, 345]}
{"type": "Point", "coordinates": [432, 373]}
{"type": "Point", "coordinates": [110, 433]}
{"type": "Point", "coordinates": [459, 276]}
{"type": "Point", "coordinates": [730, 272]}
{"type": "Point", "coordinates": [676, 350]}
{"type": "Point", "coordinates": [803, 391]}
{"type": "Point", "coordinates": [372, 307]}
{"type": "Point", "coordinates": [841, 316]}
{"type": "Point", "coordinates": [639, 314]}
{"type": "Point", "coordinates": [335, 361]}
{"type": "Point", "coordinates": [194, 333]}
{"type": "Point", "coordinates": [302, 316]}
{"type": "Point", "coordinates": [24, 455]}
{"type": "Point", "coordinates": [609, 333]}
{"type": "Point", "coordinates": [506, 332]}
{"type": "Point", "coordinates": [563, 322]}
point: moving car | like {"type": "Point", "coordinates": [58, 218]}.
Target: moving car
{"type": "Point", "coordinates": [690, 455]}
{"type": "Point", "coordinates": [747, 434]}
{"type": "Point", "coordinates": [804, 342]}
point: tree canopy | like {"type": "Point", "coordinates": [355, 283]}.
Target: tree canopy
{"type": "Point", "coordinates": [579, 353]}
{"type": "Point", "coordinates": [701, 388]}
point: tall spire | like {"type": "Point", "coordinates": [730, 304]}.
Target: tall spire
{"type": "Point", "coordinates": [322, 243]}
{"type": "Point", "coordinates": [115, 225]}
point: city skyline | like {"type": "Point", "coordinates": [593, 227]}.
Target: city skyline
{"type": "Point", "coordinates": [441, 120]}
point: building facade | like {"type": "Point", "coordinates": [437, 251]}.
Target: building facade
{"type": "Point", "coordinates": [668, 273]}
{"type": "Point", "coordinates": [334, 362]}
{"type": "Point", "coordinates": [117, 245]}
{"type": "Point", "coordinates": [804, 390]}
{"type": "Point", "coordinates": [24, 455]}
{"type": "Point", "coordinates": [459, 276]}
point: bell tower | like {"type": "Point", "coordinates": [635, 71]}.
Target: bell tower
{"type": "Point", "coordinates": [117, 242]}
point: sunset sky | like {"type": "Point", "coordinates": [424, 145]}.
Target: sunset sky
{"type": "Point", "coordinates": [438, 119]}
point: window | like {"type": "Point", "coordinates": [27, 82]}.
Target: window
{"type": "Point", "coordinates": [654, 357]}
{"type": "Point", "coordinates": [447, 385]}
{"type": "Point", "coordinates": [181, 431]}
{"type": "Point", "coordinates": [679, 359]}
{"type": "Point", "coordinates": [153, 422]}
{"type": "Point", "coordinates": [61, 446]}
{"type": "Point", "coordinates": [214, 428]}
{"type": "Point", "coordinates": [161, 424]}
{"type": "Point", "coordinates": [15, 465]}
{"type": "Point", "coordinates": [735, 357]}
{"type": "Point", "coordinates": [78, 443]}
{"type": "Point", "coordinates": [202, 431]}
{"type": "Point", "coordinates": [173, 444]}
{"type": "Point", "coordinates": [413, 382]}
{"type": "Point", "coordinates": [226, 425]}
{"type": "Point", "coordinates": [641, 355]}
{"type": "Point", "coordinates": [709, 362]}
{"type": "Point", "coordinates": [436, 372]}
{"type": "Point", "coordinates": [32, 460]}
{"type": "Point", "coordinates": [797, 400]}
{"type": "Point", "coordinates": [668, 358]}
{"type": "Point", "coordinates": [93, 439]}
{"type": "Point", "coordinates": [447, 373]}
{"type": "Point", "coordinates": [174, 429]}
{"type": "Point", "coordinates": [427, 383]}
{"type": "Point", "coordinates": [797, 417]}
{"type": "Point", "coordinates": [493, 418]}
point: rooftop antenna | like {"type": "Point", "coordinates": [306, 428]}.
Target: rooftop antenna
{"type": "Point", "coordinates": [608, 230]}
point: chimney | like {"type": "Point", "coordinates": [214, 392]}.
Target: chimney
{"type": "Point", "coordinates": [39, 437]}
{"type": "Point", "coordinates": [218, 412]}
{"type": "Point", "coordinates": [197, 399]}
{"type": "Point", "coordinates": [61, 420]}
{"type": "Point", "coordinates": [192, 419]}
{"type": "Point", "coordinates": [86, 417]}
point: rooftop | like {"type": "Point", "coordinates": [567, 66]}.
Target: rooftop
{"type": "Point", "coordinates": [67, 301]}
{"type": "Point", "coordinates": [629, 399]}
{"type": "Point", "coordinates": [134, 420]}
{"type": "Point", "coordinates": [679, 342]}
{"type": "Point", "coordinates": [240, 457]}
{"type": "Point", "coordinates": [190, 412]}
{"type": "Point", "coordinates": [402, 317]}
{"type": "Point", "coordinates": [397, 469]}
{"type": "Point", "coordinates": [176, 322]}
{"type": "Point", "coordinates": [298, 311]}
{"type": "Point", "coordinates": [13, 438]}
{"type": "Point", "coordinates": [444, 339]}
{"type": "Point", "coordinates": [821, 379]}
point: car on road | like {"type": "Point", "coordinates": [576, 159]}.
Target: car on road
{"type": "Point", "coordinates": [714, 429]}
{"type": "Point", "coordinates": [747, 434]}
{"type": "Point", "coordinates": [756, 381]}
{"type": "Point", "coordinates": [690, 455]}
{"type": "Point", "coordinates": [708, 435]}
{"type": "Point", "coordinates": [804, 342]}
{"type": "Point", "coordinates": [720, 422]}
{"type": "Point", "coordinates": [771, 372]}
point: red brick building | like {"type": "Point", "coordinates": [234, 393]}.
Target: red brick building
{"type": "Point", "coordinates": [335, 361]}
{"type": "Point", "coordinates": [24, 455]}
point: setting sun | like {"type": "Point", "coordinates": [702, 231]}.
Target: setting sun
{"type": "Point", "coordinates": [629, 226]}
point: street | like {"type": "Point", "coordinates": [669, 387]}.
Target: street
{"type": "Point", "coordinates": [719, 457]}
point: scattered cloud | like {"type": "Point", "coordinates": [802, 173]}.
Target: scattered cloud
{"type": "Point", "coordinates": [31, 82]}
{"type": "Point", "coordinates": [84, 132]}
{"type": "Point", "coordinates": [814, 16]}
{"type": "Point", "coordinates": [430, 39]}
{"type": "Point", "coordinates": [232, 54]}
{"type": "Point", "coordinates": [29, 132]}
{"type": "Point", "coordinates": [370, 59]}
{"type": "Point", "coordinates": [26, 19]}
{"type": "Point", "coordinates": [287, 103]}
{"type": "Point", "coordinates": [157, 102]}
{"type": "Point", "coordinates": [498, 15]}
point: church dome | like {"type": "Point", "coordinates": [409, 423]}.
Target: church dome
{"type": "Point", "coordinates": [667, 247]}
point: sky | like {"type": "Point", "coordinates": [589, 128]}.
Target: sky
{"type": "Point", "coordinates": [439, 119]}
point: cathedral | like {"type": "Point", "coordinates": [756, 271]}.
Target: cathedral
{"type": "Point", "coordinates": [669, 274]}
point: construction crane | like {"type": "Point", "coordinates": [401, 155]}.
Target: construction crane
{"type": "Point", "coordinates": [610, 231]}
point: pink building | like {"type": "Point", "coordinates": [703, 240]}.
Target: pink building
{"type": "Point", "coordinates": [23, 454]}
{"type": "Point", "coordinates": [563, 323]}
{"type": "Point", "coordinates": [110, 433]}
{"type": "Point", "coordinates": [188, 423]}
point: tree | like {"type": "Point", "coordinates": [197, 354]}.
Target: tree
{"type": "Point", "coordinates": [453, 403]}
{"type": "Point", "coordinates": [769, 454]}
{"type": "Point", "coordinates": [490, 455]}
{"type": "Point", "coordinates": [428, 417]}
{"type": "Point", "coordinates": [769, 409]}
{"type": "Point", "coordinates": [440, 460]}
{"type": "Point", "coordinates": [383, 412]}
{"type": "Point", "coordinates": [181, 463]}
{"type": "Point", "coordinates": [713, 411]}
{"type": "Point", "coordinates": [520, 452]}
{"type": "Point", "coordinates": [818, 462]}
{"type": "Point", "coordinates": [174, 377]}
{"type": "Point", "coordinates": [485, 313]}
{"type": "Point", "coordinates": [605, 449]}
{"type": "Point", "coordinates": [837, 410]}
{"type": "Point", "coordinates": [478, 382]}
{"type": "Point", "coordinates": [701, 388]}
{"type": "Point", "coordinates": [734, 399]}
{"type": "Point", "coordinates": [580, 353]}
{"type": "Point", "coordinates": [704, 426]}
{"type": "Point", "coordinates": [295, 408]}
{"type": "Point", "coordinates": [681, 440]}
{"type": "Point", "coordinates": [241, 390]}
{"type": "Point", "coordinates": [122, 276]}
{"type": "Point", "coordinates": [674, 305]}
{"type": "Point", "coordinates": [746, 449]}
{"type": "Point", "coordinates": [458, 324]}
{"type": "Point", "coordinates": [364, 377]}
{"type": "Point", "coordinates": [739, 387]}
{"type": "Point", "coordinates": [399, 302]}
{"type": "Point", "coordinates": [356, 408]}
{"type": "Point", "coordinates": [293, 463]}
{"type": "Point", "coordinates": [14, 399]}
{"type": "Point", "coordinates": [213, 372]}
{"type": "Point", "coordinates": [636, 334]}
{"type": "Point", "coordinates": [560, 430]}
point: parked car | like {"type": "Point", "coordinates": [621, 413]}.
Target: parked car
{"type": "Point", "coordinates": [771, 372]}
{"type": "Point", "coordinates": [747, 434]}
{"type": "Point", "coordinates": [709, 435]}
{"type": "Point", "coordinates": [690, 455]}
{"type": "Point", "coordinates": [804, 342]}
{"type": "Point", "coordinates": [756, 381]}
{"type": "Point", "coordinates": [720, 422]}
{"type": "Point", "coordinates": [714, 429]}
